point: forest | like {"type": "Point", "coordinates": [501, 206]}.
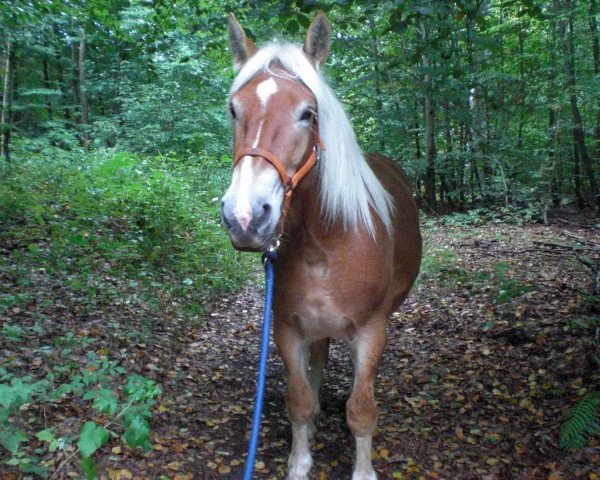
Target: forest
{"type": "Point", "coordinates": [128, 324]}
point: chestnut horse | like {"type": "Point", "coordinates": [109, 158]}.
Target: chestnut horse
{"type": "Point", "coordinates": [350, 245]}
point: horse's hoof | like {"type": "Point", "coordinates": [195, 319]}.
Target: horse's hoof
{"type": "Point", "coordinates": [299, 466]}
{"type": "Point", "coordinates": [364, 475]}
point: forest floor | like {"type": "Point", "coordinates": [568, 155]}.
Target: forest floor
{"type": "Point", "coordinates": [496, 342]}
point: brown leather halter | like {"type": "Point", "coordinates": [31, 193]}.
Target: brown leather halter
{"type": "Point", "coordinates": [289, 183]}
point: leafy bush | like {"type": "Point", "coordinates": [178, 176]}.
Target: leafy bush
{"type": "Point", "coordinates": [153, 220]}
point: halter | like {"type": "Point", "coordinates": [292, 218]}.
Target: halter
{"type": "Point", "coordinates": [289, 183]}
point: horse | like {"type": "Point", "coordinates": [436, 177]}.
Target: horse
{"type": "Point", "coordinates": [345, 225]}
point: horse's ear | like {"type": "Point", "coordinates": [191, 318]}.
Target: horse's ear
{"type": "Point", "coordinates": [318, 40]}
{"type": "Point", "coordinates": [242, 48]}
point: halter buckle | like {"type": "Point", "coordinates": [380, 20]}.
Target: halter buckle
{"type": "Point", "coordinates": [317, 151]}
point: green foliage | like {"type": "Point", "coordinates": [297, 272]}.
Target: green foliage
{"type": "Point", "coordinates": [152, 220]}
{"type": "Point", "coordinates": [507, 288]}
{"type": "Point", "coordinates": [435, 261]}
{"type": "Point", "coordinates": [91, 438]}
{"type": "Point", "coordinates": [485, 215]}
{"type": "Point", "coordinates": [105, 400]}
{"type": "Point", "coordinates": [134, 406]}
{"type": "Point", "coordinates": [12, 333]}
{"type": "Point", "coordinates": [581, 422]}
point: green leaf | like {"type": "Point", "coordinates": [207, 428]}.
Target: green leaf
{"type": "Point", "coordinates": [11, 439]}
{"type": "Point", "coordinates": [89, 467]}
{"type": "Point", "coordinates": [303, 20]}
{"type": "Point", "coordinates": [140, 388]}
{"type": "Point", "coordinates": [581, 422]}
{"type": "Point", "coordinates": [488, 325]}
{"type": "Point", "coordinates": [105, 400]}
{"type": "Point", "coordinates": [45, 435]}
{"type": "Point", "coordinates": [138, 433]}
{"type": "Point", "coordinates": [292, 26]}
{"type": "Point", "coordinates": [91, 438]}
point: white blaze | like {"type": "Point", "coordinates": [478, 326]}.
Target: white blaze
{"type": "Point", "coordinates": [243, 210]}
{"type": "Point", "coordinates": [265, 90]}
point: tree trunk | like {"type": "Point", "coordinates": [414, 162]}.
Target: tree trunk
{"type": "Point", "coordinates": [430, 149]}
{"type": "Point", "coordinates": [60, 77]}
{"type": "Point", "coordinates": [47, 85]}
{"type": "Point", "coordinates": [417, 142]}
{"type": "Point", "coordinates": [577, 178]}
{"type": "Point", "coordinates": [75, 83]}
{"type": "Point", "coordinates": [596, 54]}
{"type": "Point", "coordinates": [553, 136]}
{"type": "Point", "coordinates": [377, 80]}
{"type": "Point", "coordinates": [450, 186]}
{"type": "Point", "coordinates": [7, 100]}
{"type": "Point", "coordinates": [578, 133]}
{"type": "Point", "coordinates": [82, 91]}
{"type": "Point", "coordinates": [521, 35]}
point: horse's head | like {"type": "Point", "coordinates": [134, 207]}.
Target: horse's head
{"type": "Point", "coordinates": [274, 119]}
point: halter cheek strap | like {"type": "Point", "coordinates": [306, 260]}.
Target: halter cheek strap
{"type": "Point", "coordinates": [289, 183]}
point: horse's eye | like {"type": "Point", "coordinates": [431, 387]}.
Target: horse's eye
{"type": "Point", "coordinates": [232, 111]}
{"type": "Point", "coordinates": [306, 115]}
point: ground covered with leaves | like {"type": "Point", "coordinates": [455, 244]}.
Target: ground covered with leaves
{"type": "Point", "coordinates": [497, 342]}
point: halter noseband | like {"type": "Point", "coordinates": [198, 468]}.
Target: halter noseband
{"type": "Point", "coordinates": [289, 183]}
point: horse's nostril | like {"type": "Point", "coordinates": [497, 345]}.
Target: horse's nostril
{"type": "Point", "coordinates": [266, 208]}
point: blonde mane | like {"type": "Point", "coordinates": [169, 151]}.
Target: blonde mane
{"type": "Point", "coordinates": [348, 187]}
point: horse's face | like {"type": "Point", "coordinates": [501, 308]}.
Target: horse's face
{"type": "Point", "coordinates": [271, 112]}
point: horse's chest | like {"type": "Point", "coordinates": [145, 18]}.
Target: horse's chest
{"type": "Point", "coordinates": [322, 303]}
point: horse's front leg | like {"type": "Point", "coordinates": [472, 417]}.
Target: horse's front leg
{"type": "Point", "coordinates": [300, 400]}
{"type": "Point", "coordinates": [361, 409]}
{"type": "Point", "coordinates": [319, 354]}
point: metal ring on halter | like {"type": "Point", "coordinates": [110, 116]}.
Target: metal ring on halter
{"type": "Point", "coordinates": [274, 244]}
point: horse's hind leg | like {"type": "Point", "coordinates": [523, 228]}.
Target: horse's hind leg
{"type": "Point", "coordinates": [361, 410]}
{"type": "Point", "coordinates": [300, 400]}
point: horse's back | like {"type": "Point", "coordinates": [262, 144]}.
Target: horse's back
{"type": "Point", "coordinates": [406, 231]}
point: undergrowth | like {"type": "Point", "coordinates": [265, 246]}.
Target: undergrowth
{"type": "Point", "coordinates": [120, 404]}
{"type": "Point", "coordinates": [103, 233]}
{"type": "Point", "coordinates": [581, 422]}
{"type": "Point", "coordinates": [150, 222]}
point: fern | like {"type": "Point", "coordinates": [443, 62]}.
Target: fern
{"type": "Point", "coordinates": [581, 422]}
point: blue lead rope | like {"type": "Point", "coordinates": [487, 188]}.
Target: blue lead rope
{"type": "Point", "coordinates": [268, 259]}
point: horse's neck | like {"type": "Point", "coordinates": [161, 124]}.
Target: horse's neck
{"type": "Point", "coordinates": [305, 228]}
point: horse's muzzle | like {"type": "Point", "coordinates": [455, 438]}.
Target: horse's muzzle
{"type": "Point", "coordinates": [250, 231]}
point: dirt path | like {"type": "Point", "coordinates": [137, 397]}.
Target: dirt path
{"type": "Point", "coordinates": [493, 346]}
{"type": "Point", "coordinates": [482, 363]}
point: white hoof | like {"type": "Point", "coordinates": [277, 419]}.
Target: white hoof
{"type": "Point", "coordinates": [299, 466]}
{"type": "Point", "coordinates": [364, 475]}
